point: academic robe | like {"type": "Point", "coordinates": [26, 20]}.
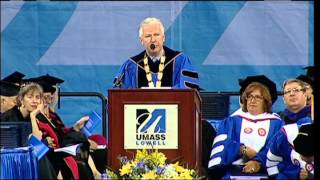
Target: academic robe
{"type": "Point", "coordinates": [13, 115]}
{"type": "Point", "coordinates": [98, 156]}
{"type": "Point", "coordinates": [303, 116]}
{"type": "Point", "coordinates": [70, 166]}
{"type": "Point", "coordinates": [178, 72]}
{"type": "Point", "coordinates": [283, 162]}
{"type": "Point", "coordinates": [46, 170]}
{"type": "Point", "coordinates": [242, 128]}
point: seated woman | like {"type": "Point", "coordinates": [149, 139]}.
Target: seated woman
{"type": "Point", "coordinates": [98, 165]}
{"type": "Point", "coordinates": [241, 141]}
{"type": "Point", "coordinates": [28, 98]}
{"type": "Point", "coordinates": [57, 136]}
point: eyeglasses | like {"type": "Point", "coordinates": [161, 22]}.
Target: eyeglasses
{"type": "Point", "coordinates": [294, 91]}
{"type": "Point", "coordinates": [256, 98]}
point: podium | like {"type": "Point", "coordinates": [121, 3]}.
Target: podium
{"type": "Point", "coordinates": [183, 146]}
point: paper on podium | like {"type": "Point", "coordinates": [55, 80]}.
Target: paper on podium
{"type": "Point", "coordinates": [156, 87]}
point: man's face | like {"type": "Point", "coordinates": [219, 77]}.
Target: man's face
{"type": "Point", "coordinates": [7, 102]}
{"type": "Point", "coordinates": [47, 99]}
{"type": "Point", "coordinates": [294, 97]}
{"type": "Point", "coordinates": [309, 91]}
{"type": "Point", "coordinates": [152, 34]}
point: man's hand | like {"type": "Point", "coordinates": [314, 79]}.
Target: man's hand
{"type": "Point", "coordinates": [251, 167]}
{"type": "Point", "coordinates": [247, 151]}
{"type": "Point", "coordinates": [303, 174]}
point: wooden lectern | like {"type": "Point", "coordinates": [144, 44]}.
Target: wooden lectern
{"type": "Point", "coordinates": [188, 151]}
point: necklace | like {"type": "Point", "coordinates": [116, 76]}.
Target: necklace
{"type": "Point", "coordinates": [159, 74]}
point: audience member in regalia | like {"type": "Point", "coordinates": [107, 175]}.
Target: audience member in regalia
{"type": "Point", "coordinates": [308, 78]}
{"type": "Point", "coordinates": [10, 86]}
{"type": "Point", "coordinates": [243, 83]}
{"type": "Point", "coordinates": [291, 153]}
{"type": "Point", "coordinates": [28, 99]}
{"type": "Point", "coordinates": [15, 78]}
{"type": "Point", "coordinates": [8, 95]}
{"type": "Point", "coordinates": [156, 66]}
{"type": "Point", "coordinates": [241, 143]}
{"type": "Point", "coordinates": [295, 99]}
{"type": "Point", "coordinates": [57, 135]}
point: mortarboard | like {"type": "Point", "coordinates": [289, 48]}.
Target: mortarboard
{"type": "Point", "coordinates": [45, 86]}
{"type": "Point", "coordinates": [303, 143]}
{"type": "Point", "coordinates": [309, 77]}
{"type": "Point", "coordinates": [305, 79]}
{"type": "Point", "coordinates": [263, 80]}
{"type": "Point", "coordinates": [310, 71]}
{"type": "Point", "coordinates": [8, 89]}
{"type": "Point", "coordinates": [51, 79]}
{"type": "Point", "coordinates": [15, 77]}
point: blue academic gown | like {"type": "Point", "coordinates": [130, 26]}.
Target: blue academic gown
{"type": "Point", "coordinates": [242, 128]}
{"type": "Point", "coordinates": [178, 72]}
{"type": "Point", "coordinates": [301, 117]}
{"type": "Point", "coordinates": [283, 162]}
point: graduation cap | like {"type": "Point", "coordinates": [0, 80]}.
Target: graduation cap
{"type": "Point", "coordinates": [8, 89]}
{"type": "Point", "coordinates": [260, 79]}
{"type": "Point", "coordinates": [310, 71]}
{"type": "Point", "coordinates": [303, 143]}
{"type": "Point", "coordinates": [15, 77]}
{"type": "Point", "coordinates": [47, 87]}
{"type": "Point", "coordinates": [51, 79]}
{"type": "Point", "coordinates": [309, 77]}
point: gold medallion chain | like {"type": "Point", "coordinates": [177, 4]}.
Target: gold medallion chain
{"type": "Point", "coordinates": [159, 74]}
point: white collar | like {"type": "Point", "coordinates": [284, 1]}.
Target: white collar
{"type": "Point", "coordinates": [256, 117]}
{"type": "Point", "coordinates": [156, 58]}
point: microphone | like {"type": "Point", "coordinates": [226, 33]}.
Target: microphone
{"type": "Point", "coordinates": [118, 81]}
{"type": "Point", "coordinates": [152, 46]}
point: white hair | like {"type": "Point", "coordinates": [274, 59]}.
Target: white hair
{"type": "Point", "coordinates": [149, 20]}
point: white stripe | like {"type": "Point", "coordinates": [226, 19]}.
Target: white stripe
{"type": "Point", "coordinates": [273, 170]}
{"type": "Point", "coordinates": [292, 131]}
{"type": "Point", "coordinates": [217, 150]}
{"type": "Point", "coordinates": [272, 163]}
{"type": "Point", "coordinates": [255, 117]}
{"type": "Point", "coordinates": [214, 162]}
{"type": "Point", "coordinates": [240, 161]}
{"type": "Point", "coordinates": [219, 138]}
{"type": "Point", "coordinates": [296, 157]}
{"type": "Point", "coordinates": [273, 157]}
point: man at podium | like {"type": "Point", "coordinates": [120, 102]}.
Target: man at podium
{"type": "Point", "coordinates": [157, 66]}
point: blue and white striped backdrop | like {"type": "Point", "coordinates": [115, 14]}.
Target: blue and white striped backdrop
{"type": "Point", "coordinates": [86, 42]}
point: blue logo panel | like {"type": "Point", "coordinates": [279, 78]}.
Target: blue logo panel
{"type": "Point", "coordinates": [154, 121]}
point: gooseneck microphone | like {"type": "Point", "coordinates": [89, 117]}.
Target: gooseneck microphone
{"type": "Point", "coordinates": [152, 46]}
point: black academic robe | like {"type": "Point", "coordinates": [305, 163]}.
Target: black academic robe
{"type": "Point", "coordinates": [74, 167]}
{"type": "Point", "coordinates": [46, 170]}
{"type": "Point", "coordinates": [178, 72]}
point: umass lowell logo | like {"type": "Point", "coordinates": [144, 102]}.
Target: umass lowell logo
{"type": "Point", "coordinates": [151, 127]}
{"type": "Point", "coordinates": [151, 122]}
